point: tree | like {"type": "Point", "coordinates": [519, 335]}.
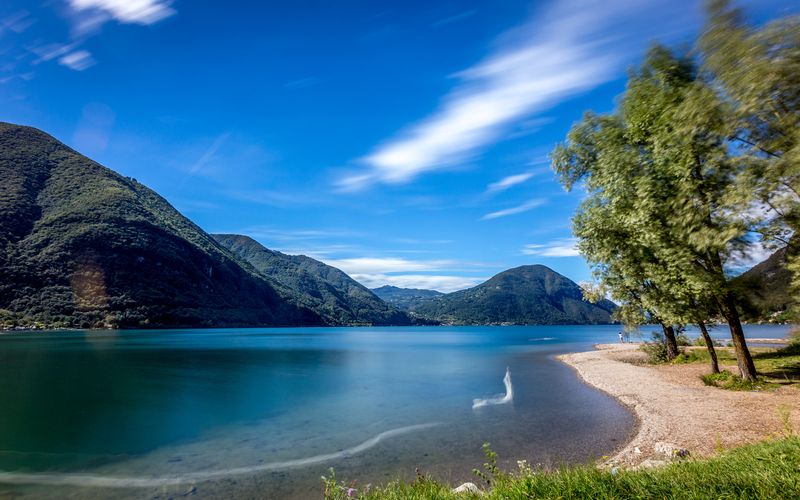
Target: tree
{"type": "Point", "coordinates": [659, 220]}
{"type": "Point", "coordinates": [608, 225]}
{"type": "Point", "coordinates": [756, 72]}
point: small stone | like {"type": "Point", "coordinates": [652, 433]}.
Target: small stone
{"type": "Point", "coordinates": [665, 448]}
{"type": "Point", "coordinates": [649, 464]}
{"type": "Point", "coordinates": [468, 488]}
{"type": "Point", "coordinates": [637, 450]}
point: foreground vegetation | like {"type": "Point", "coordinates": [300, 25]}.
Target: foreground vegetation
{"type": "Point", "coordinates": [776, 367]}
{"type": "Point", "coordinates": [766, 470]}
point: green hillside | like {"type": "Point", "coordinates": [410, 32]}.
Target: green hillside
{"type": "Point", "coordinates": [405, 298]}
{"type": "Point", "coordinates": [764, 291]}
{"type": "Point", "coordinates": [334, 295]}
{"type": "Point", "coordinates": [82, 246]}
{"type": "Point", "coordinates": [526, 295]}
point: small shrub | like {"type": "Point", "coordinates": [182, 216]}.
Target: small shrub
{"type": "Point", "coordinates": [683, 340]}
{"type": "Point", "coordinates": [656, 349]}
{"type": "Point", "coordinates": [701, 342]}
{"type": "Point", "coordinates": [491, 473]}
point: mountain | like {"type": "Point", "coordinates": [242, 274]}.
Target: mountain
{"type": "Point", "coordinates": [405, 298]}
{"type": "Point", "coordinates": [526, 295]}
{"type": "Point", "coordinates": [82, 246]}
{"type": "Point", "coordinates": [764, 291]}
{"type": "Point", "coordinates": [338, 298]}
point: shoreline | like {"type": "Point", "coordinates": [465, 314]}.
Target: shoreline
{"type": "Point", "coordinates": [675, 411]}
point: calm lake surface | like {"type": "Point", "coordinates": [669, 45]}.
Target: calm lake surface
{"type": "Point", "coordinates": [266, 412]}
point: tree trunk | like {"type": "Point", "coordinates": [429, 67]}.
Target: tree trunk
{"type": "Point", "coordinates": [710, 346]}
{"type": "Point", "coordinates": [672, 342]}
{"type": "Point", "coordinates": [747, 369]}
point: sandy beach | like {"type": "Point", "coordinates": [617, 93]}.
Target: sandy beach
{"type": "Point", "coordinates": [676, 411]}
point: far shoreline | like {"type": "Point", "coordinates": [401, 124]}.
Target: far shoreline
{"type": "Point", "coordinates": [32, 329]}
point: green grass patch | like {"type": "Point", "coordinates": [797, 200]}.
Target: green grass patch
{"type": "Point", "coordinates": [693, 356]}
{"type": "Point", "coordinates": [727, 380]}
{"type": "Point", "coordinates": [776, 367]}
{"type": "Point", "coordinates": [763, 471]}
{"type": "Point", "coordinates": [697, 355]}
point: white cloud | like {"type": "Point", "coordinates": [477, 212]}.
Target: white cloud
{"type": "Point", "coordinates": [570, 48]}
{"type": "Point", "coordinates": [755, 253]}
{"type": "Point", "coordinates": [564, 247]}
{"type": "Point", "coordinates": [51, 51]}
{"type": "Point", "coordinates": [507, 182]}
{"type": "Point", "coordinates": [127, 11]}
{"type": "Point", "coordinates": [383, 265]}
{"type": "Point", "coordinates": [529, 205]}
{"type": "Point", "coordinates": [78, 60]}
{"type": "Point", "coordinates": [271, 233]}
{"type": "Point", "coordinates": [441, 283]}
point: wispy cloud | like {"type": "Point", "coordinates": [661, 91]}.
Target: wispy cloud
{"type": "Point", "coordinates": [442, 283]}
{"type": "Point", "coordinates": [424, 242]}
{"type": "Point", "coordinates": [17, 22]}
{"type": "Point", "coordinates": [507, 182]}
{"type": "Point", "coordinates": [205, 158]}
{"type": "Point", "coordinates": [455, 18]}
{"type": "Point", "coordinates": [570, 48]}
{"type": "Point", "coordinates": [78, 60]}
{"type": "Point", "coordinates": [563, 247]}
{"type": "Point", "coordinates": [281, 198]}
{"type": "Point", "coordinates": [126, 11]}
{"type": "Point", "coordinates": [85, 18]}
{"type": "Point", "coordinates": [385, 265]}
{"type": "Point", "coordinates": [529, 205]}
{"type": "Point", "coordinates": [48, 51]}
{"type": "Point", "coordinates": [754, 253]}
{"type": "Point", "coordinates": [235, 163]}
{"type": "Point", "coordinates": [294, 235]}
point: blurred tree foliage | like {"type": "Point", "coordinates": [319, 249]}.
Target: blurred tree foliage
{"type": "Point", "coordinates": [756, 72]}
{"type": "Point", "coordinates": [700, 161]}
{"type": "Point", "coordinates": [677, 176]}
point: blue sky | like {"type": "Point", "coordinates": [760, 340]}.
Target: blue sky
{"type": "Point", "coordinates": [403, 142]}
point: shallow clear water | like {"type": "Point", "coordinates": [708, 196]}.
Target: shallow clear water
{"type": "Point", "coordinates": [242, 412]}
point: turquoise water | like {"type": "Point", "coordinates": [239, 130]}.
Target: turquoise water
{"type": "Point", "coordinates": [238, 412]}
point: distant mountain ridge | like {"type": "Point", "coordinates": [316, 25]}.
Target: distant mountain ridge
{"type": "Point", "coordinates": [82, 246]}
{"type": "Point", "coordinates": [764, 291]}
{"type": "Point", "coordinates": [405, 298]}
{"type": "Point", "coordinates": [526, 295]}
{"type": "Point", "coordinates": [338, 298]}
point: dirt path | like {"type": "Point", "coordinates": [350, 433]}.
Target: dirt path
{"type": "Point", "coordinates": [676, 410]}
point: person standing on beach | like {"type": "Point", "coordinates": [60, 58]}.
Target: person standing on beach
{"type": "Point", "coordinates": [621, 337]}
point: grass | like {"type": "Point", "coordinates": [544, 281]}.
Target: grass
{"type": "Point", "coordinates": [776, 367]}
{"type": "Point", "coordinates": [727, 380]}
{"type": "Point", "coordinates": [762, 471]}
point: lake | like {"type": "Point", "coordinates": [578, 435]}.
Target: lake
{"type": "Point", "coordinates": [266, 412]}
